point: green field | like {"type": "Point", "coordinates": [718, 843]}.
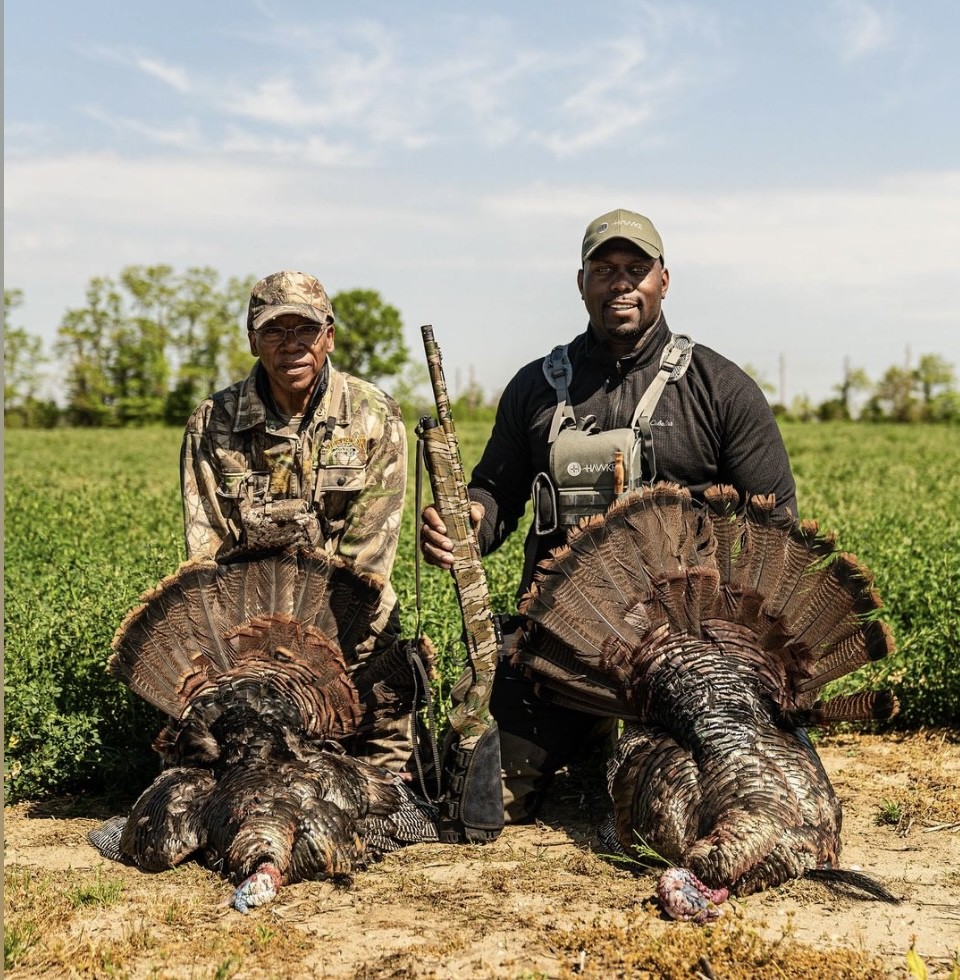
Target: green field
{"type": "Point", "coordinates": [92, 519]}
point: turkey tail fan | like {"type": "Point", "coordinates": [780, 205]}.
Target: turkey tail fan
{"type": "Point", "coordinates": [257, 585]}
{"type": "Point", "coordinates": [727, 528]}
{"type": "Point", "coordinates": [835, 620]}
{"type": "Point", "coordinates": [308, 670]}
{"type": "Point", "coordinates": [562, 603]}
{"type": "Point", "coordinates": [668, 532]}
{"type": "Point", "coordinates": [760, 587]}
{"type": "Point", "coordinates": [862, 706]}
{"type": "Point", "coordinates": [873, 641]}
{"type": "Point", "coordinates": [163, 641]}
{"type": "Point", "coordinates": [313, 587]}
{"type": "Point", "coordinates": [626, 573]}
{"type": "Point", "coordinates": [811, 607]}
{"type": "Point", "coordinates": [673, 546]}
{"type": "Point", "coordinates": [806, 550]}
{"type": "Point", "coordinates": [180, 628]}
{"type": "Point", "coordinates": [759, 565]}
{"type": "Point", "coordinates": [568, 681]}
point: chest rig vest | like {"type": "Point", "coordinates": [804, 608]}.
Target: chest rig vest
{"type": "Point", "coordinates": [590, 468]}
{"type": "Point", "coordinates": [271, 521]}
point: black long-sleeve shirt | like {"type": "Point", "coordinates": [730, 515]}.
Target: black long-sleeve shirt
{"type": "Point", "coordinates": [712, 426]}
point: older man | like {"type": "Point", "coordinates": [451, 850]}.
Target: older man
{"type": "Point", "coordinates": [673, 408]}
{"type": "Point", "coordinates": [301, 454]}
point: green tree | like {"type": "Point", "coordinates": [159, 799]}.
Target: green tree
{"type": "Point", "coordinates": [933, 373]}
{"type": "Point", "coordinates": [151, 345]}
{"type": "Point", "coordinates": [854, 379]}
{"type": "Point", "coordinates": [369, 335]}
{"type": "Point", "coordinates": [209, 345]}
{"type": "Point", "coordinates": [84, 342]}
{"type": "Point", "coordinates": [23, 375]}
{"type": "Point", "coordinates": [895, 391]}
{"type": "Point", "coordinates": [138, 363]}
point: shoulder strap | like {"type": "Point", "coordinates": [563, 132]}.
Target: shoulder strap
{"type": "Point", "coordinates": [674, 362]}
{"type": "Point", "coordinates": [558, 371]}
{"type": "Point", "coordinates": [333, 408]}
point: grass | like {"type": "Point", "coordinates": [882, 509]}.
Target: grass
{"type": "Point", "coordinates": [101, 893]}
{"type": "Point", "coordinates": [93, 519]}
{"type": "Point", "coordinates": [891, 812]}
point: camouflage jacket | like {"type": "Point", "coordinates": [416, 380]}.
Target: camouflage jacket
{"type": "Point", "coordinates": [334, 479]}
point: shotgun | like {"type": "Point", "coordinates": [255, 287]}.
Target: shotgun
{"type": "Point", "coordinates": [471, 792]}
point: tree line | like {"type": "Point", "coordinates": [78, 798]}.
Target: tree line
{"type": "Point", "coordinates": [150, 344]}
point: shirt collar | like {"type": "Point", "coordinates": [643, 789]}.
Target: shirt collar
{"type": "Point", "coordinates": [651, 346]}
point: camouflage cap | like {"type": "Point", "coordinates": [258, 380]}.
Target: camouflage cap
{"type": "Point", "coordinates": [629, 225]}
{"type": "Point", "coordinates": [288, 292]}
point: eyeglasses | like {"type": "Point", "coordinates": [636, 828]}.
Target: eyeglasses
{"type": "Point", "coordinates": [305, 333]}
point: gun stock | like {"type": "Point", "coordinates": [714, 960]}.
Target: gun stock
{"type": "Point", "coordinates": [471, 791]}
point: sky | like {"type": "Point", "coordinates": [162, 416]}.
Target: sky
{"type": "Point", "coordinates": [801, 162]}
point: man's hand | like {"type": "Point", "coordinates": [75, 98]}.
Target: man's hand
{"type": "Point", "coordinates": [435, 546]}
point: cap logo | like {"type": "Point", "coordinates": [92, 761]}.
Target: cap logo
{"type": "Point", "coordinates": [602, 228]}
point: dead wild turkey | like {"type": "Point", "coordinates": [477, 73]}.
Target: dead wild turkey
{"type": "Point", "coordinates": [254, 661]}
{"type": "Point", "coordinates": [712, 634]}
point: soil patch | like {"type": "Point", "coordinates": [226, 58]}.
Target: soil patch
{"type": "Point", "coordinates": [539, 902]}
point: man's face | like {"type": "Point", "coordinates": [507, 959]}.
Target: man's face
{"type": "Point", "coordinates": [292, 363]}
{"type": "Point", "coordinates": [622, 288]}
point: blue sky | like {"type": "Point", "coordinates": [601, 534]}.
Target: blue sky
{"type": "Point", "coordinates": [802, 163]}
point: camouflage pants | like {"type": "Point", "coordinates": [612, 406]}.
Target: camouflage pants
{"type": "Point", "coordinates": [391, 732]}
{"type": "Point", "coordinates": [391, 743]}
{"type": "Point", "coordinates": [536, 738]}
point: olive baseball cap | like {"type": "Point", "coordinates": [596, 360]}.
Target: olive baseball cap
{"type": "Point", "coordinates": [288, 292]}
{"type": "Point", "coordinates": [633, 227]}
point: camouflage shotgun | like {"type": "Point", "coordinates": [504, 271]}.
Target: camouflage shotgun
{"type": "Point", "coordinates": [471, 793]}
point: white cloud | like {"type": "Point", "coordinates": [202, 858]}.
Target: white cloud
{"type": "Point", "coordinates": [859, 28]}
{"type": "Point", "coordinates": [186, 135]}
{"type": "Point", "coordinates": [177, 78]}
{"type": "Point", "coordinates": [364, 89]}
{"type": "Point", "coordinates": [810, 273]}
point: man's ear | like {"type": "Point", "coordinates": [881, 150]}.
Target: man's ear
{"type": "Point", "coordinates": [580, 281]}
{"type": "Point", "coordinates": [331, 344]}
{"type": "Point", "coordinates": [252, 337]}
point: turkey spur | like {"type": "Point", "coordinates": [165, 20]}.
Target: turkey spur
{"type": "Point", "coordinates": [712, 631]}
{"type": "Point", "coordinates": [254, 662]}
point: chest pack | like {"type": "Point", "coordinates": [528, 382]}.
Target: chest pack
{"type": "Point", "coordinates": [590, 468]}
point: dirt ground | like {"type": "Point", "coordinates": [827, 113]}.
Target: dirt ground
{"type": "Point", "coordinates": [539, 902]}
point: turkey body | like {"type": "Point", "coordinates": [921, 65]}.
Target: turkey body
{"type": "Point", "coordinates": [711, 632]}
{"type": "Point", "coordinates": [713, 783]}
{"type": "Point", "coordinates": [252, 663]}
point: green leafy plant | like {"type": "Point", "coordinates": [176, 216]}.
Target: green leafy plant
{"type": "Point", "coordinates": [93, 520]}
{"type": "Point", "coordinates": [891, 812]}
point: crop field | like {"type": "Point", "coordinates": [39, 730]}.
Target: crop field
{"type": "Point", "coordinates": [92, 520]}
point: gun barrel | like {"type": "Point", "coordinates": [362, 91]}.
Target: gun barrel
{"type": "Point", "coordinates": [471, 805]}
